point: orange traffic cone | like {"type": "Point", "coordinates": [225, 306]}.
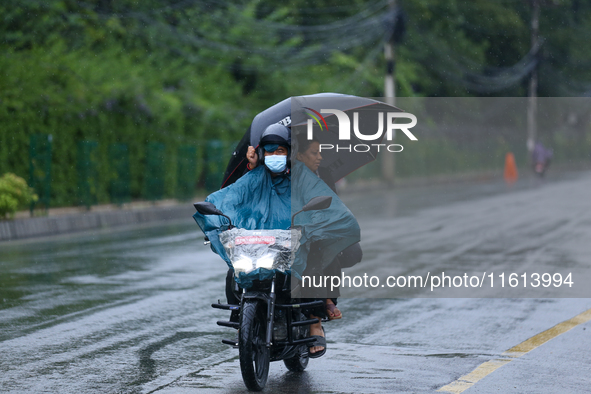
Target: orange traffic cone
{"type": "Point", "coordinates": [510, 174]}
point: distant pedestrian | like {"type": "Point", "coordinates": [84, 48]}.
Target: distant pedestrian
{"type": "Point", "coordinates": [541, 158]}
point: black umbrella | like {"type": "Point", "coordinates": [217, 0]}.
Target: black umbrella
{"type": "Point", "coordinates": [294, 112]}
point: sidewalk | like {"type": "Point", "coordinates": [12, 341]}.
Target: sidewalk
{"type": "Point", "coordinates": [74, 219]}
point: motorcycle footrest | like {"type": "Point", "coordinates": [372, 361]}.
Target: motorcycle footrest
{"type": "Point", "coordinates": [230, 324]}
{"type": "Point", "coordinates": [304, 322]}
{"type": "Point", "coordinates": [297, 342]}
{"type": "Point", "coordinates": [227, 307]}
{"type": "Point", "coordinates": [311, 304]}
{"type": "Point", "coordinates": [229, 342]}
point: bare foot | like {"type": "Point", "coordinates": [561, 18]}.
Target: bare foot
{"type": "Point", "coordinates": [332, 311]}
{"type": "Point", "coordinates": [316, 329]}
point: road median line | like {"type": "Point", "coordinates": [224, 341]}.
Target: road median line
{"type": "Point", "coordinates": [484, 369]}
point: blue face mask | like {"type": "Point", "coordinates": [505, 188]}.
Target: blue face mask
{"type": "Point", "coordinates": [276, 163]}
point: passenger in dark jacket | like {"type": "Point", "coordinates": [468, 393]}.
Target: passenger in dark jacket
{"type": "Point", "coordinates": [309, 154]}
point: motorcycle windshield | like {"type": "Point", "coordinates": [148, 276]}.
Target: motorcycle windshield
{"type": "Point", "coordinates": [258, 254]}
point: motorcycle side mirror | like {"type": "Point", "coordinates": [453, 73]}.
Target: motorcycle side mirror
{"type": "Point", "coordinates": [318, 203]}
{"type": "Point", "coordinates": [315, 204]}
{"type": "Point", "coordinates": [207, 208]}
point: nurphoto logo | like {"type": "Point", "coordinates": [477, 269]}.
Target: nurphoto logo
{"type": "Point", "coordinates": [345, 130]}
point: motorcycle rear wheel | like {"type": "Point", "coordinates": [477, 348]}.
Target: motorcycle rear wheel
{"type": "Point", "coordinates": [299, 362]}
{"type": "Point", "coordinates": [254, 354]}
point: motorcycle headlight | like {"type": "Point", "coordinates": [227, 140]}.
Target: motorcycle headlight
{"type": "Point", "coordinates": [265, 262]}
{"type": "Point", "coordinates": [243, 264]}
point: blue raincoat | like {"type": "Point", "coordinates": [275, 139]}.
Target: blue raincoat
{"type": "Point", "coordinates": [258, 201]}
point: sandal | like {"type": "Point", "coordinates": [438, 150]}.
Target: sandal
{"type": "Point", "coordinates": [333, 312]}
{"type": "Point", "coordinates": [318, 341]}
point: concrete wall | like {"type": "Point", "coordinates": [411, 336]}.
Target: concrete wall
{"type": "Point", "coordinates": [54, 225]}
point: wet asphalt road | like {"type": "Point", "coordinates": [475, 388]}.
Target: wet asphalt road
{"type": "Point", "coordinates": [128, 311]}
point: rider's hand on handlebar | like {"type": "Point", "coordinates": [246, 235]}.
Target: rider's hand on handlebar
{"type": "Point", "coordinates": [252, 158]}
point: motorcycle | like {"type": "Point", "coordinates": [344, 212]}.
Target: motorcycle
{"type": "Point", "coordinates": [272, 326]}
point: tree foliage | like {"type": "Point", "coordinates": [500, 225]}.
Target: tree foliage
{"type": "Point", "coordinates": [185, 72]}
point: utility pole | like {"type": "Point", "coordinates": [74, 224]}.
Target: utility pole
{"type": "Point", "coordinates": [532, 103]}
{"type": "Point", "coordinates": [388, 162]}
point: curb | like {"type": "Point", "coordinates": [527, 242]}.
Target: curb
{"type": "Point", "coordinates": [70, 223]}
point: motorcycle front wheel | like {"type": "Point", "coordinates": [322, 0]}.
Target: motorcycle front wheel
{"type": "Point", "coordinates": [254, 354]}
